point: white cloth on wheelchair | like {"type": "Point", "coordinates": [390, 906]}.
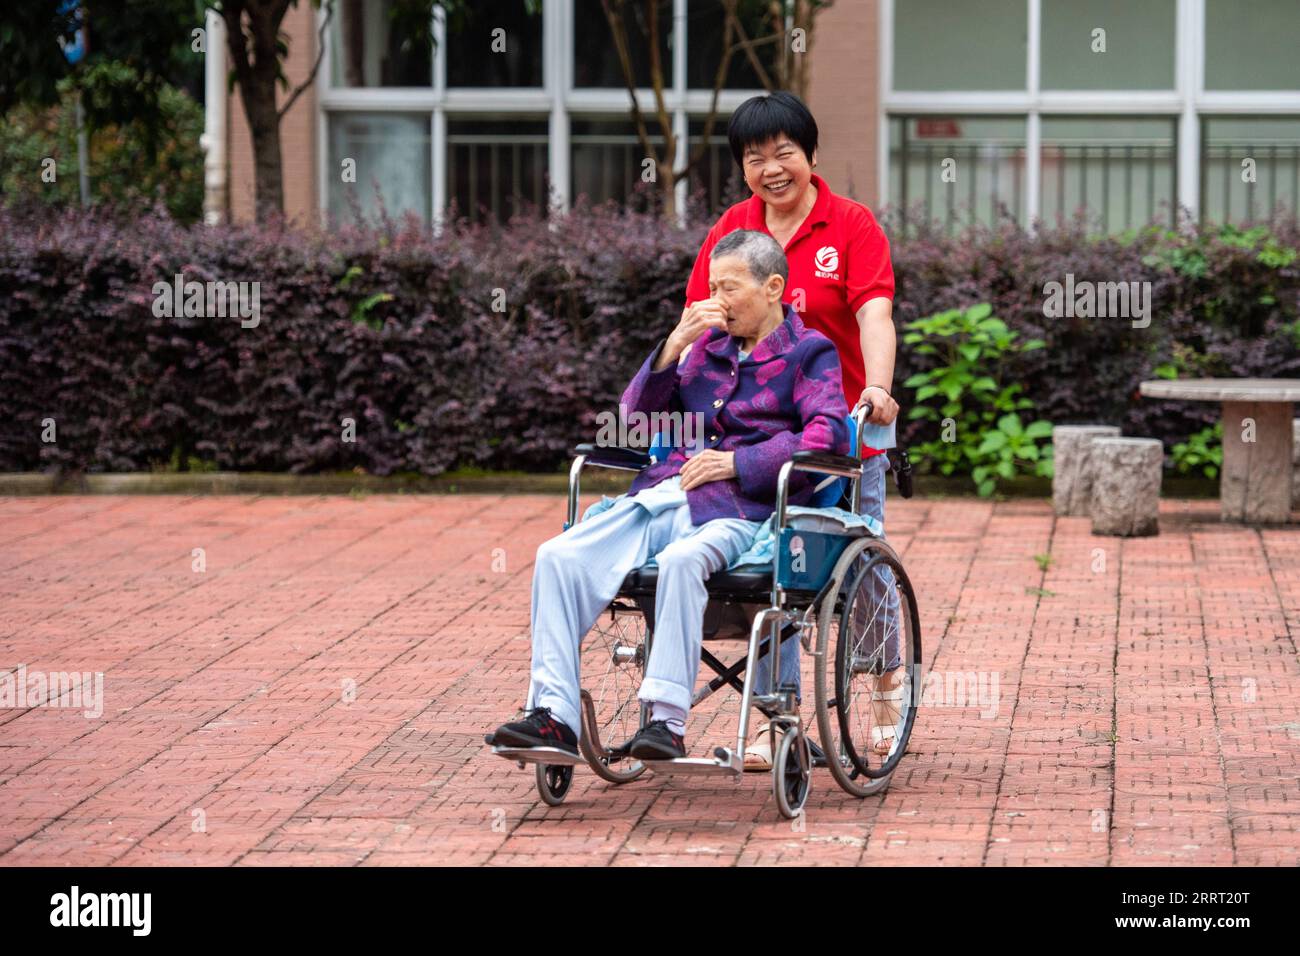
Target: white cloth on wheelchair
{"type": "Point", "coordinates": [667, 494]}
{"type": "Point", "coordinates": [762, 549]}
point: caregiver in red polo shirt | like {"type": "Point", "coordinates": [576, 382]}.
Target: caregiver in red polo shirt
{"type": "Point", "coordinates": [841, 284]}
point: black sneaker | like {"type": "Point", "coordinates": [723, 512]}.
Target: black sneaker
{"type": "Point", "coordinates": [655, 741]}
{"type": "Point", "coordinates": [537, 729]}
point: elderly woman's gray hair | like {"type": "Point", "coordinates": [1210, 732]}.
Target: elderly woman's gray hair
{"type": "Point", "coordinates": [760, 252]}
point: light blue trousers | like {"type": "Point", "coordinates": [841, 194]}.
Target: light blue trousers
{"type": "Point", "coordinates": [579, 572]}
{"type": "Point", "coordinates": [879, 593]}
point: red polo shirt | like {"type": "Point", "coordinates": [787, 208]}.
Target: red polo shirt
{"type": "Point", "coordinates": [839, 259]}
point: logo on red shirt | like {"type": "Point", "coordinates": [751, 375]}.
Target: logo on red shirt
{"type": "Point", "coordinates": [826, 262]}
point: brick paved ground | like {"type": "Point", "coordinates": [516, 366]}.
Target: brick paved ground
{"type": "Point", "coordinates": [1147, 711]}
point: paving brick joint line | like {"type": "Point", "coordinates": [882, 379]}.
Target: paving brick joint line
{"type": "Point", "coordinates": [318, 694]}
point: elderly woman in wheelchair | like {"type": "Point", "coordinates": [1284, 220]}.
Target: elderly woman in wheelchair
{"type": "Point", "coordinates": [769, 394]}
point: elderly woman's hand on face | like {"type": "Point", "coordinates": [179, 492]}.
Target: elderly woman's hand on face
{"type": "Point", "coordinates": [697, 318]}
{"type": "Point", "coordinates": [708, 465]}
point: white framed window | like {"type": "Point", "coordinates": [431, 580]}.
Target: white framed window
{"type": "Point", "coordinates": [1250, 166]}
{"type": "Point", "coordinates": [986, 152]}
{"type": "Point", "coordinates": [537, 123]}
{"type": "Point", "coordinates": [1129, 110]}
{"type": "Point", "coordinates": [1121, 169]}
{"type": "Point", "coordinates": [389, 154]}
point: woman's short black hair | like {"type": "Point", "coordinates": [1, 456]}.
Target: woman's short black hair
{"type": "Point", "coordinates": [764, 117]}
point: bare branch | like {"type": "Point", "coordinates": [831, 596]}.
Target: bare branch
{"type": "Point", "coordinates": [719, 79]}
{"type": "Point", "coordinates": [657, 84]}
{"type": "Point", "coordinates": [729, 6]}
{"type": "Point", "coordinates": [618, 28]}
{"type": "Point", "coordinates": [320, 54]}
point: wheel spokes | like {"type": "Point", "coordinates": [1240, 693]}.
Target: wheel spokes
{"type": "Point", "coordinates": [871, 630]}
{"type": "Point", "coordinates": [612, 659]}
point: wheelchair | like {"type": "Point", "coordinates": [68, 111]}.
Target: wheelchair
{"type": "Point", "coordinates": [841, 591]}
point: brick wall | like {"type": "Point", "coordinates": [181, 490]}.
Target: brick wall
{"type": "Point", "coordinates": [844, 95]}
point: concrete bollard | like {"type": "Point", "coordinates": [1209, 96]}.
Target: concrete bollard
{"type": "Point", "coordinates": [1126, 486]}
{"type": "Point", "coordinates": [1072, 479]}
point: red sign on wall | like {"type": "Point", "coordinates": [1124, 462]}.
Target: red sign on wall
{"type": "Point", "coordinates": [941, 128]}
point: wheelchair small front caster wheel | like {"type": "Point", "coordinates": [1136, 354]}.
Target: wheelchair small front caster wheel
{"type": "Point", "coordinates": [792, 773]}
{"type": "Point", "coordinates": [553, 783]}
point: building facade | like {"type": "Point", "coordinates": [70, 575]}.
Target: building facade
{"type": "Point", "coordinates": [949, 111]}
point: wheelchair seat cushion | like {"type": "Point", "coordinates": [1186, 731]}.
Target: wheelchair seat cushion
{"type": "Point", "coordinates": [738, 583]}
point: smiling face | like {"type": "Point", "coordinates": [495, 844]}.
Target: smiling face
{"type": "Point", "coordinates": [753, 307]}
{"type": "Point", "coordinates": [778, 172]}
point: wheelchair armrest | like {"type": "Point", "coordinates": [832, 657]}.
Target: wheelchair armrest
{"type": "Point", "coordinates": [628, 459]}
{"type": "Point", "coordinates": [622, 459]}
{"type": "Point", "coordinates": [843, 466]}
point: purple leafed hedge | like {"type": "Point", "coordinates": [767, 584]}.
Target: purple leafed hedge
{"type": "Point", "coordinates": [497, 347]}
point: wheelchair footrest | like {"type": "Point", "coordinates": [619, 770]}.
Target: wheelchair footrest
{"type": "Point", "coordinates": [552, 756]}
{"type": "Point", "coordinates": [724, 761]}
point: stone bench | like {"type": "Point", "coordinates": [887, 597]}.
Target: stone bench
{"type": "Point", "coordinates": [1256, 482]}
{"type": "Point", "coordinates": [1125, 498]}
{"type": "Point", "coordinates": [1071, 473]}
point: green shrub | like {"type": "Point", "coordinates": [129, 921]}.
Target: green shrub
{"type": "Point", "coordinates": [1203, 450]}
{"type": "Point", "coordinates": [126, 169]}
{"type": "Point", "coordinates": [981, 431]}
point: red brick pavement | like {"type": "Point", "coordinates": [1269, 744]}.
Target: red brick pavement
{"type": "Point", "coordinates": [1146, 710]}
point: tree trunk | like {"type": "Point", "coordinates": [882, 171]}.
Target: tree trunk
{"type": "Point", "coordinates": [668, 182]}
{"type": "Point", "coordinates": [264, 126]}
{"type": "Point", "coordinates": [256, 77]}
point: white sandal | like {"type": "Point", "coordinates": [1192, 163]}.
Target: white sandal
{"type": "Point", "coordinates": [879, 735]}
{"type": "Point", "coordinates": [761, 751]}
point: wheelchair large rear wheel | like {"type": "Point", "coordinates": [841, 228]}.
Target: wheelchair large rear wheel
{"type": "Point", "coordinates": [613, 659]}
{"type": "Point", "coordinates": [859, 635]}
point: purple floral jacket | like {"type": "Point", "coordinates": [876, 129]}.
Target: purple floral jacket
{"type": "Point", "coordinates": [785, 397]}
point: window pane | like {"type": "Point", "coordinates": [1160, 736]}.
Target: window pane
{"type": "Point", "coordinates": [391, 152]}
{"type": "Point", "coordinates": [595, 58]}
{"type": "Point", "coordinates": [715, 178]}
{"type": "Point", "coordinates": [496, 168]}
{"type": "Point", "coordinates": [975, 45]}
{"type": "Point", "coordinates": [1120, 170]}
{"type": "Point", "coordinates": [957, 169]}
{"type": "Point", "coordinates": [500, 46]}
{"type": "Point", "coordinates": [380, 43]}
{"type": "Point", "coordinates": [704, 32]}
{"type": "Point", "coordinates": [1138, 42]}
{"type": "Point", "coordinates": [1252, 49]}
{"type": "Point", "coordinates": [1273, 143]}
{"type": "Point", "coordinates": [607, 159]}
